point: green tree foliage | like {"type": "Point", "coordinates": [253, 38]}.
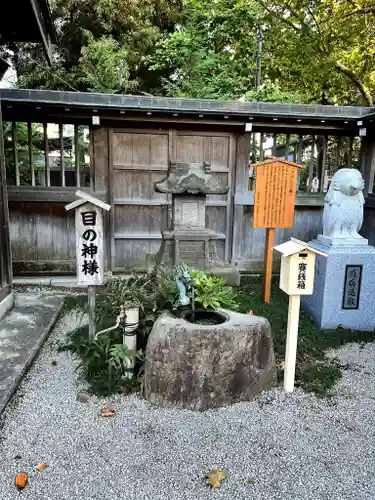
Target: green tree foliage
{"type": "Point", "coordinates": [100, 41]}
{"type": "Point", "coordinates": [212, 54]}
{"type": "Point", "coordinates": [325, 47]}
{"type": "Point", "coordinates": [104, 66]}
{"type": "Point", "coordinates": [313, 50]}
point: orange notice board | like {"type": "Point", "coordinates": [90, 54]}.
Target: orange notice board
{"type": "Point", "coordinates": [275, 193]}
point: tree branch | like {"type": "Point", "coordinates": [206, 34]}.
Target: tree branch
{"type": "Point", "coordinates": [319, 31]}
{"type": "Point", "coordinates": [273, 13]}
{"type": "Point", "coordinates": [357, 82]}
{"type": "Point", "coordinates": [368, 10]}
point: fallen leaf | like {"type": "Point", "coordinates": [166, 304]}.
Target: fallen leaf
{"type": "Point", "coordinates": [21, 480]}
{"type": "Point", "coordinates": [41, 467]}
{"type": "Point", "coordinates": [107, 411]}
{"type": "Point", "coordinates": [215, 477]}
{"type": "Point", "coordinates": [251, 481]}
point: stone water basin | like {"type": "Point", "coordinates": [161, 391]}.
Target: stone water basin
{"type": "Point", "coordinates": [201, 366]}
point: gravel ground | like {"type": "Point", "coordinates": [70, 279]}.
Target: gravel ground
{"type": "Point", "coordinates": [279, 447]}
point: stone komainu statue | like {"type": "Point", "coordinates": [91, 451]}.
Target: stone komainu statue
{"type": "Point", "coordinates": [343, 207]}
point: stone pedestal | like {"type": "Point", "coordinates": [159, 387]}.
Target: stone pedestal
{"type": "Point", "coordinates": [343, 286]}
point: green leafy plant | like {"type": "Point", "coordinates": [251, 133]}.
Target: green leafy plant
{"type": "Point", "coordinates": [212, 292]}
{"type": "Point", "coordinates": [102, 360]}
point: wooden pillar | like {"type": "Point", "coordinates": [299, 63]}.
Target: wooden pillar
{"type": "Point", "coordinates": [240, 192]}
{"type": "Point", "coordinates": [5, 248]}
{"type": "Point", "coordinates": [367, 161]}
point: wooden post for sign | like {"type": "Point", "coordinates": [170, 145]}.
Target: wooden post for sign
{"type": "Point", "coordinates": [270, 238]}
{"type": "Point", "coordinates": [296, 279]}
{"type": "Point", "coordinates": [91, 295]}
{"type": "Point", "coordinates": [275, 195]}
{"type": "Point", "coordinates": [89, 247]}
{"type": "Point", "coordinates": [291, 342]}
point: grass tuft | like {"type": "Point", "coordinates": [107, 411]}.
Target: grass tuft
{"type": "Point", "coordinates": [315, 371]}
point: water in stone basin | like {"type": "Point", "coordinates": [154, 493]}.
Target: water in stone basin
{"type": "Point", "coordinates": [202, 317]}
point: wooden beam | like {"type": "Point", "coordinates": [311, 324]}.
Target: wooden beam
{"type": "Point", "coordinates": [287, 144]}
{"type": "Point", "coordinates": [30, 148]}
{"type": "Point", "coordinates": [324, 164]}
{"type": "Point", "coordinates": [15, 153]}
{"type": "Point", "coordinates": [76, 157]}
{"type": "Point", "coordinates": [350, 152]}
{"type": "Point", "coordinates": [338, 153]}
{"type": "Point", "coordinates": [44, 194]}
{"type": "Point", "coordinates": [299, 159]}
{"type": "Point", "coordinates": [62, 166]}
{"type": "Point", "coordinates": [261, 149]}
{"type": "Point", "coordinates": [46, 155]}
{"type": "Point", "coordinates": [240, 188]}
{"type": "Point", "coordinates": [274, 144]}
{"type": "Point", "coordinates": [311, 164]}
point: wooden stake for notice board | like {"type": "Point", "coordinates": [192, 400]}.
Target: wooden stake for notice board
{"type": "Point", "coordinates": [275, 194]}
{"type": "Point", "coordinates": [270, 237]}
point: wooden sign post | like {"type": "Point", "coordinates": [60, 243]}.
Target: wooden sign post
{"type": "Point", "coordinates": [89, 247]}
{"type": "Point", "coordinates": [275, 195]}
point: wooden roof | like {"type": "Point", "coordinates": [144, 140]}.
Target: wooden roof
{"type": "Point", "coordinates": [28, 21]}
{"type": "Point", "coordinates": [80, 107]}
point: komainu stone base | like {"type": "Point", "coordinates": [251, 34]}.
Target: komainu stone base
{"type": "Point", "coordinates": [198, 367]}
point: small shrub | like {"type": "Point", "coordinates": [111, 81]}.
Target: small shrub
{"type": "Point", "coordinates": [102, 360]}
{"type": "Point", "coordinates": [213, 292]}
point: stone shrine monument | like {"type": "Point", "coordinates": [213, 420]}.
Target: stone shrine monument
{"type": "Point", "coordinates": [344, 280]}
{"type": "Point", "coordinates": [188, 240]}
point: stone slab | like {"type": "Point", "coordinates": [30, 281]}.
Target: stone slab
{"type": "Point", "coordinates": [22, 333]}
{"type": "Point", "coordinates": [325, 305]}
{"type": "Point", "coordinates": [342, 242]}
{"type": "Point", "coordinates": [199, 367]}
{"type": "Point", "coordinates": [189, 212]}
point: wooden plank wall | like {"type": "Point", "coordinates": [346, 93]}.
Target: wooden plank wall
{"type": "Point", "coordinates": [139, 159]}
{"type": "Point", "coordinates": [42, 237]}
{"type": "Point", "coordinates": [307, 225]}
{"type": "Point", "coordinates": [42, 234]}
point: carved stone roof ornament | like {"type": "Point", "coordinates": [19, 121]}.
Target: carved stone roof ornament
{"type": "Point", "coordinates": [188, 178]}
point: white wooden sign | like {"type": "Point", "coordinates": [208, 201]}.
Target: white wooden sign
{"type": "Point", "coordinates": [89, 245]}
{"type": "Point", "coordinates": [89, 239]}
